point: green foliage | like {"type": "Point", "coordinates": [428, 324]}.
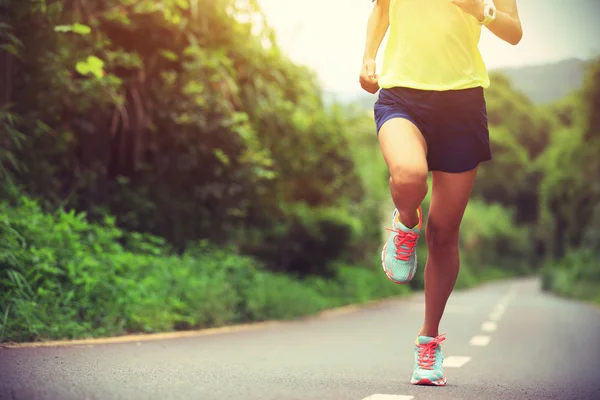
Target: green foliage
{"type": "Point", "coordinates": [166, 117]}
{"type": "Point", "coordinates": [570, 190]}
{"type": "Point", "coordinates": [570, 195]}
{"type": "Point", "coordinates": [490, 238]}
{"type": "Point", "coordinates": [62, 277]}
{"type": "Point", "coordinates": [307, 240]}
{"type": "Point", "coordinates": [12, 140]}
{"type": "Point", "coordinates": [576, 275]}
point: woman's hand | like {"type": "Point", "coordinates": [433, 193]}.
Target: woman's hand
{"type": "Point", "coordinates": [472, 7]}
{"type": "Point", "coordinates": [368, 77]}
{"type": "Point", "coordinates": [506, 25]}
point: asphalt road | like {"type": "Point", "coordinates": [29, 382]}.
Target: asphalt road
{"type": "Point", "coordinates": [505, 340]}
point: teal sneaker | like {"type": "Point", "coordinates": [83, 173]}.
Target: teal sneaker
{"type": "Point", "coordinates": [398, 257]}
{"type": "Point", "coordinates": [429, 362]}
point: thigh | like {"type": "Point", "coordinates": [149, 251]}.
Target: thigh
{"type": "Point", "coordinates": [450, 195]}
{"type": "Point", "coordinates": [403, 146]}
{"type": "Point", "coordinates": [401, 136]}
{"type": "Point", "coordinates": [458, 135]}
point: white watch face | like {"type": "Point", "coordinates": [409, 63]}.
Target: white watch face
{"type": "Point", "coordinates": [490, 12]}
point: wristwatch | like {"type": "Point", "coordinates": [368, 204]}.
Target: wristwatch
{"type": "Point", "coordinates": [489, 12]}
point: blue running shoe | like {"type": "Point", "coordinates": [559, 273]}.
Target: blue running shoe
{"type": "Point", "coordinates": [399, 256]}
{"type": "Point", "coordinates": [429, 362]}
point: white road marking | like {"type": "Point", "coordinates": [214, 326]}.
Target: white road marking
{"type": "Point", "coordinates": [500, 307]}
{"type": "Point", "coordinates": [489, 326]}
{"type": "Point", "coordinates": [456, 361]}
{"type": "Point", "coordinates": [389, 397]}
{"type": "Point", "coordinates": [496, 316]}
{"type": "Point", "coordinates": [480, 341]}
{"type": "Point", "coordinates": [508, 297]}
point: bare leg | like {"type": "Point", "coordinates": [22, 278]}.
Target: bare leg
{"type": "Point", "coordinates": [405, 151]}
{"type": "Point", "coordinates": [450, 195]}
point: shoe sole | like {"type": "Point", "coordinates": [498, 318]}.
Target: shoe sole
{"type": "Point", "coordinates": [428, 382]}
{"type": "Point", "coordinates": [388, 273]}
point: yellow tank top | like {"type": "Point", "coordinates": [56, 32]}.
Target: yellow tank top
{"type": "Point", "coordinates": [432, 45]}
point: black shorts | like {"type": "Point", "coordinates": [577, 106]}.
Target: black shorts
{"type": "Point", "coordinates": [454, 124]}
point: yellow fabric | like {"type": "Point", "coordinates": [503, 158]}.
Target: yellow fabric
{"type": "Point", "coordinates": [432, 45]}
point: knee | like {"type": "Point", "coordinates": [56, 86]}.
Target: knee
{"type": "Point", "coordinates": [406, 176]}
{"type": "Point", "coordinates": [441, 234]}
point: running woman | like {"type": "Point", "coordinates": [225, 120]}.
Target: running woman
{"type": "Point", "coordinates": [430, 115]}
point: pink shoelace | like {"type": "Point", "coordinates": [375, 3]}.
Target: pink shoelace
{"type": "Point", "coordinates": [408, 239]}
{"type": "Point", "coordinates": [426, 352]}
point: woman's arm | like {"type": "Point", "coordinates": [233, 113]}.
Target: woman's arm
{"type": "Point", "coordinates": [379, 22]}
{"type": "Point", "coordinates": [506, 26]}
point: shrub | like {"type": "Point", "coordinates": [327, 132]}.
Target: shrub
{"type": "Point", "coordinates": [63, 277]}
{"type": "Point", "coordinates": [577, 275]}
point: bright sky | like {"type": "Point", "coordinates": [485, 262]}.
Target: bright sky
{"type": "Point", "coordinates": [329, 35]}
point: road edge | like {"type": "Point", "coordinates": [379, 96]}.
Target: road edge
{"type": "Point", "coordinates": [148, 337]}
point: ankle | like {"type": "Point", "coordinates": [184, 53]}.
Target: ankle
{"type": "Point", "coordinates": [429, 332]}
{"type": "Point", "coordinates": [408, 219]}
